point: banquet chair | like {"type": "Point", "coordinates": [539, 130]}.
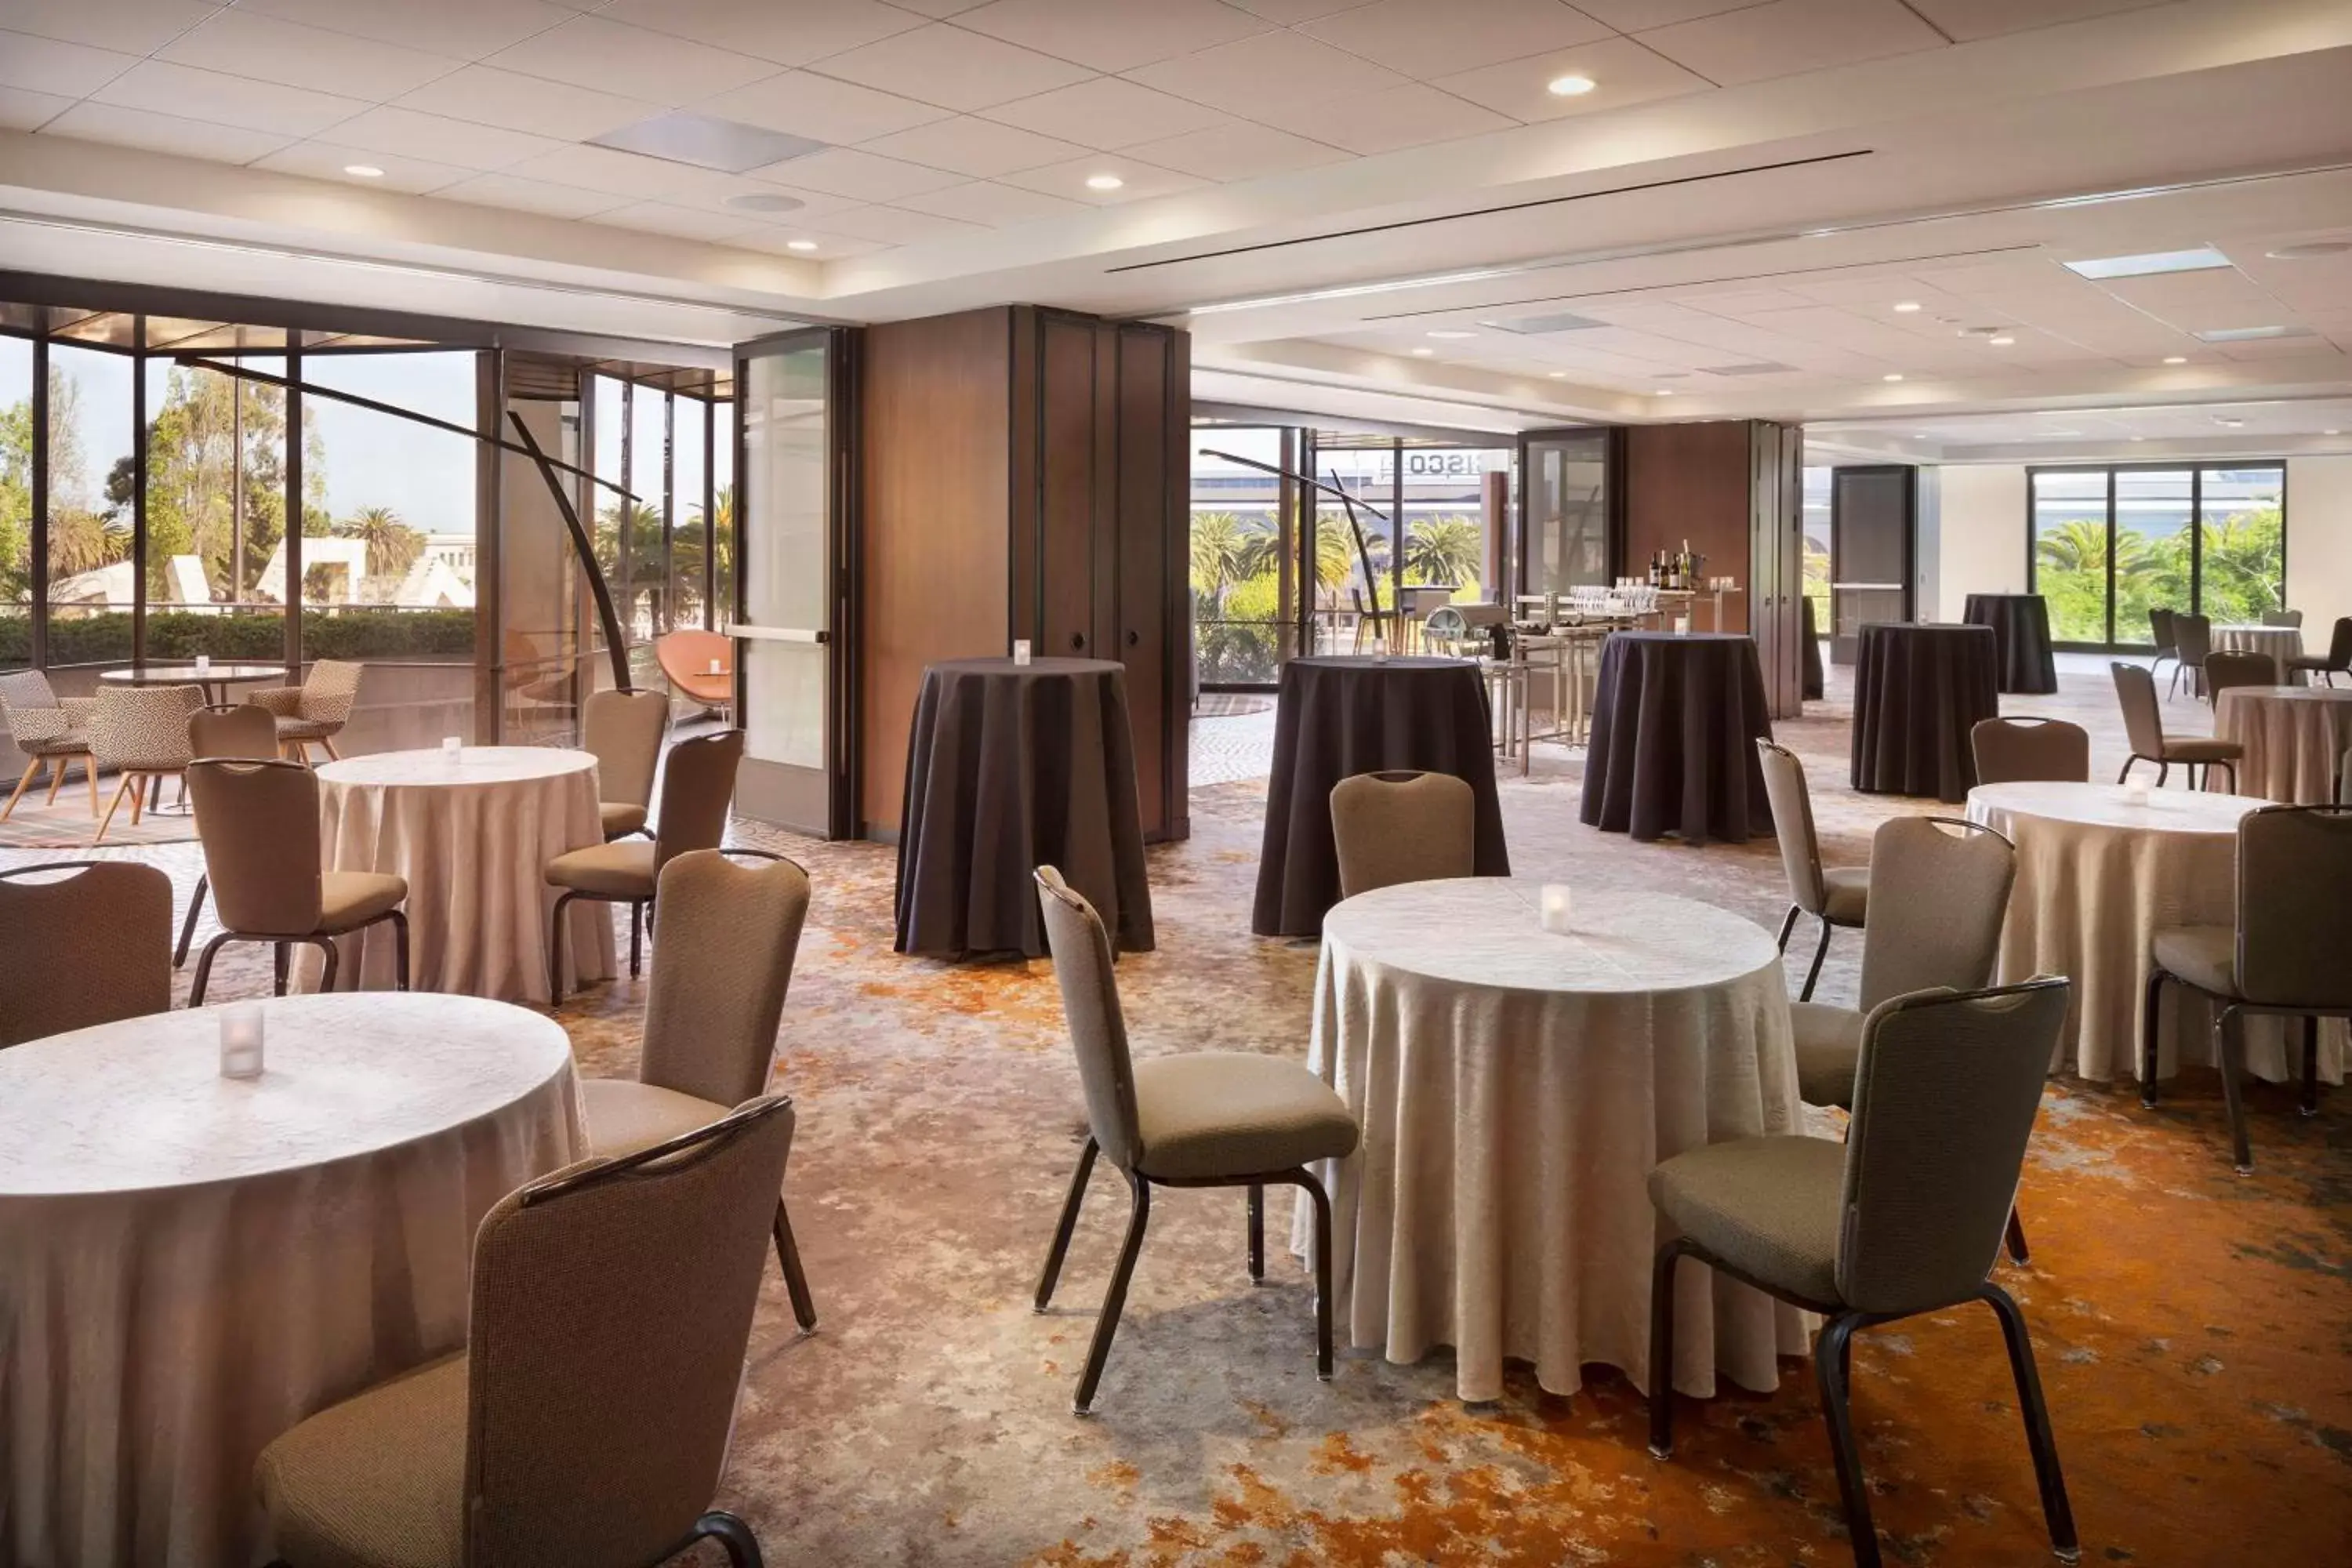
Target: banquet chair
{"type": "Point", "coordinates": [720, 970]}
{"type": "Point", "coordinates": [2290, 619]}
{"type": "Point", "coordinates": [2143, 724]}
{"type": "Point", "coordinates": [49, 732]}
{"type": "Point", "coordinates": [586, 1421]}
{"type": "Point", "coordinates": [258, 822]}
{"type": "Point", "coordinates": [1904, 1219]}
{"type": "Point", "coordinates": [2192, 637]}
{"type": "Point", "coordinates": [2224, 670]}
{"type": "Point", "coordinates": [238, 730]}
{"type": "Point", "coordinates": [2336, 662]}
{"type": "Point", "coordinates": [623, 731]}
{"type": "Point", "coordinates": [2022, 750]}
{"type": "Point", "coordinates": [2344, 779]}
{"type": "Point", "coordinates": [2167, 646]}
{"type": "Point", "coordinates": [2284, 956]}
{"type": "Point", "coordinates": [1404, 826]}
{"type": "Point", "coordinates": [89, 949]}
{"type": "Point", "coordinates": [313, 713]}
{"type": "Point", "coordinates": [1838, 896]}
{"type": "Point", "coordinates": [1204, 1118]}
{"type": "Point", "coordinates": [698, 784]}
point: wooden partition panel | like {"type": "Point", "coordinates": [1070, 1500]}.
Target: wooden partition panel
{"type": "Point", "coordinates": [1070, 470]}
{"type": "Point", "coordinates": [1142, 589]}
{"type": "Point", "coordinates": [1691, 482]}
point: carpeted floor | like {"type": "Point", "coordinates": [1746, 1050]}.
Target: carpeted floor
{"type": "Point", "coordinates": [2194, 1328]}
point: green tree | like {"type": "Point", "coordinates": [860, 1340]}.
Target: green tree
{"type": "Point", "coordinates": [16, 502]}
{"type": "Point", "coordinates": [1444, 549]}
{"type": "Point", "coordinates": [2245, 564]}
{"type": "Point", "coordinates": [1226, 549]}
{"type": "Point", "coordinates": [392, 546]}
{"type": "Point", "coordinates": [207, 446]}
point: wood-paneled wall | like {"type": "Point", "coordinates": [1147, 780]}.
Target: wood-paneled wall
{"type": "Point", "coordinates": [1691, 482]}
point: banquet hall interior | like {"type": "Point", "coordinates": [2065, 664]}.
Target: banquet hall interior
{"type": "Point", "coordinates": [1175, 784]}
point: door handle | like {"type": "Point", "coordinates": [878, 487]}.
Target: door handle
{"type": "Point", "coordinates": [1077, 639]}
{"type": "Point", "coordinates": [1133, 637]}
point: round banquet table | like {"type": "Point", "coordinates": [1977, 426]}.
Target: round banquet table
{"type": "Point", "coordinates": [1676, 719]}
{"type": "Point", "coordinates": [473, 837]}
{"type": "Point", "coordinates": [1918, 690]}
{"type": "Point", "coordinates": [1011, 767]}
{"type": "Point", "coordinates": [2295, 738]}
{"type": "Point", "coordinates": [1516, 1087]}
{"type": "Point", "coordinates": [212, 679]}
{"type": "Point", "coordinates": [2024, 661]}
{"type": "Point", "coordinates": [190, 1265]}
{"type": "Point", "coordinates": [1337, 717]}
{"type": "Point", "coordinates": [2096, 873]}
{"type": "Point", "coordinates": [2282, 643]}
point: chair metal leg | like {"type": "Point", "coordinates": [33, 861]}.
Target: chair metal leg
{"type": "Point", "coordinates": [2148, 1036]}
{"type": "Point", "coordinates": [1788, 925]}
{"type": "Point", "coordinates": [279, 961]}
{"type": "Point", "coordinates": [742, 1546]}
{"type": "Point", "coordinates": [788, 1258]}
{"type": "Point", "coordinates": [205, 968]}
{"type": "Point", "coordinates": [1820, 952]}
{"type": "Point", "coordinates": [399, 950]}
{"type": "Point", "coordinates": [2229, 1032]}
{"type": "Point", "coordinates": [2163, 772]}
{"type": "Point", "coordinates": [188, 926]}
{"type": "Point", "coordinates": [1833, 1361]}
{"type": "Point", "coordinates": [334, 952]}
{"type": "Point", "coordinates": [2227, 767]}
{"type": "Point", "coordinates": [1322, 1201]}
{"type": "Point", "coordinates": [1257, 1232]}
{"type": "Point", "coordinates": [2124, 776]}
{"type": "Point", "coordinates": [2056, 1510]}
{"type": "Point", "coordinates": [1661, 1348]}
{"type": "Point", "coordinates": [1115, 1299]}
{"type": "Point", "coordinates": [636, 940]}
{"type": "Point", "coordinates": [1069, 1222]}
{"type": "Point", "coordinates": [2015, 1237]}
{"type": "Point", "coordinates": [555, 950]}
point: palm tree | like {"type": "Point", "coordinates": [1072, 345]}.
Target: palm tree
{"type": "Point", "coordinates": [82, 541]}
{"type": "Point", "coordinates": [1221, 550]}
{"type": "Point", "coordinates": [392, 546]}
{"type": "Point", "coordinates": [1444, 549]}
{"type": "Point", "coordinates": [2078, 544]}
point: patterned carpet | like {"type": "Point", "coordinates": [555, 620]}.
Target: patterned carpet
{"type": "Point", "coordinates": [2194, 1328]}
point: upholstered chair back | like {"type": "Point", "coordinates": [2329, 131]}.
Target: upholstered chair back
{"type": "Point", "coordinates": [258, 821]}
{"type": "Point", "coordinates": [2294, 875]}
{"type": "Point", "coordinates": [2143, 720]}
{"type": "Point", "coordinates": [1082, 966]}
{"type": "Point", "coordinates": [1792, 823]}
{"type": "Point", "coordinates": [82, 949]}
{"type": "Point", "coordinates": [2017, 751]}
{"type": "Point", "coordinates": [623, 731]}
{"type": "Point", "coordinates": [1938, 891]}
{"type": "Point", "coordinates": [1392, 828]}
{"type": "Point", "coordinates": [143, 729]}
{"type": "Point", "coordinates": [699, 783]}
{"type": "Point", "coordinates": [245, 731]}
{"type": "Point", "coordinates": [729, 933]}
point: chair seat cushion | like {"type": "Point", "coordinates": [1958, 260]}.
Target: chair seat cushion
{"type": "Point", "coordinates": [377, 1481]}
{"type": "Point", "coordinates": [1849, 894]}
{"type": "Point", "coordinates": [350, 898]}
{"type": "Point", "coordinates": [1829, 1048]}
{"type": "Point", "coordinates": [1767, 1206]}
{"type": "Point", "coordinates": [2205, 956]}
{"type": "Point", "coordinates": [72, 743]}
{"type": "Point", "coordinates": [1235, 1113]}
{"type": "Point", "coordinates": [620, 870]}
{"type": "Point", "coordinates": [625, 1116]}
{"type": "Point", "coordinates": [2197, 750]}
{"type": "Point", "coordinates": [300, 729]}
{"type": "Point", "coordinates": [620, 819]}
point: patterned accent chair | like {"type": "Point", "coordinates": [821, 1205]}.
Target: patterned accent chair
{"type": "Point", "coordinates": [314, 712]}
{"type": "Point", "coordinates": [143, 734]}
{"type": "Point", "coordinates": [49, 730]}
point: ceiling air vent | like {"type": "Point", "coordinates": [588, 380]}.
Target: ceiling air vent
{"type": "Point", "coordinates": [1761, 367]}
{"type": "Point", "coordinates": [707, 143]}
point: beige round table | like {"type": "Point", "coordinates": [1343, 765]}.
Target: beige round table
{"type": "Point", "coordinates": [1516, 1087]}
{"type": "Point", "coordinates": [2282, 643]}
{"type": "Point", "coordinates": [2097, 871]}
{"type": "Point", "coordinates": [190, 1265]}
{"type": "Point", "coordinates": [473, 837]}
{"type": "Point", "coordinates": [2295, 738]}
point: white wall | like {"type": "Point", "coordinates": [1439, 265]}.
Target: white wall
{"type": "Point", "coordinates": [2320, 544]}
{"type": "Point", "coordinates": [1980, 543]}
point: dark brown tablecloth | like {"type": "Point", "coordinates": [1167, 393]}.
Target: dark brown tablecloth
{"type": "Point", "coordinates": [2020, 631]}
{"type": "Point", "coordinates": [1676, 720]}
{"type": "Point", "coordinates": [1917, 692]}
{"type": "Point", "coordinates": [1010, 768]}
{"type": "Point", "coordinates": [1339, 717]}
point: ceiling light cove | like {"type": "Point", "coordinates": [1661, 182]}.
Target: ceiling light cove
{"type": "Point", "coordinates": [2201, 259]}
{"type": "Point", "coordinates": [1104, 181]}
{"type": "Point", "coordinates": [1664, 392]}
{"type": "Point", "coordinates": [1423, 353]}
{"type": "Point", "coordinates": [1906, 306]}
{"type": "Point", "coordinates": [1892, 375]}
{"type": "Point", "coordinates": [800, 244]}
{"type": "Point", "coordinates": [1571, 86]}
{"type": "Point", "coordinates": [363, 171]}
{"type": "Point", "coordinates": [1449, 333]}
{"type": "Point", "coordinates": [2001, 341]}
{"type": "Point", "coordinates": [2176, 359]}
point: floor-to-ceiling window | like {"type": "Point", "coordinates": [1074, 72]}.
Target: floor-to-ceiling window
{"type": "Point", "coordinates": [1816, 531]}
{"type": "Point", "coordinates": [1568, 482]}
{"type": "Point", "coordinates": [1241, 533]}
{"type": "Point", "coordinates": [2109, 544]}
{"type": "Point", "coordinates": [93, 590]}
{"type": "Point", "coordinates": [16, 447]}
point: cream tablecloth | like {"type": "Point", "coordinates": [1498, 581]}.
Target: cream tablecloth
{"type": "Point", "coordinates": [2095, 874]}
{"type": "Point", "coordinates": [2282, 643]}
{"type": "Point", "coordinates": [2295, 738]}
{"type": "Point", "coordinates": [190, 1265]}
{"type": "Point", "coordinates": [1515, 1087]}
{"type": "Point", "coordinates": [474, 839]}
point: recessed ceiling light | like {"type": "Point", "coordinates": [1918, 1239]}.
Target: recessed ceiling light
{"type": "Point", "coordinates": [1906, 306]}
{"type": "Point", "coordinates": [1424, 353]}
{"type": "Point", "coordinates": [2309, 251]}
{"type": "Point", "coordinates": [1104, 181]}
{"type": "Point", "coordinates": [2199, 259]}
{"type": "Point", "coordinates": [800, 244]}
{"type": "Point", "coordinates": [2250, 334]}
{"type": "Point", "coordinates": [1664, 392]}
{"type": "Point", "coordinates": [766, 201]}
{"type": "Point", "coordinates": [2176, 359]}
{"type": "Point", "coordinates": [1560, 375]}
{"type": "Point", "coordinates": [2002, 341]}
{"type": "Point", "coordinates": [1568, 86]}
{"type": "Point", "coordinates": [364, 171]}
{"type": "Point", "coordinates": [1892, 375]}
{"type": "Point", "coordinates": [2331, 432]}
{"type": "Point", "coordinates": [1448, 333]}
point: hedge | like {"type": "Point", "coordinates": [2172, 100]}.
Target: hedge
{"type": "Point", "coordinates": [253, 639]}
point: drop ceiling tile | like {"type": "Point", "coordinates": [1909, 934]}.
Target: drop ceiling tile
{"type": "Point", "coordinates": [240, 43]}
{"type": "Point", "coordinates": [589, 51]}
{"type": "Point", "coordinates": [1114, 35]}
{"type": "Point", "coordinates": [821, 108]}
{"type": "Point", "coordinates": [1239, 77]}
{"type": "Point", "coordinates": [130, 26]}
{"type": "Point", "coordinates": [935, 8]}
{"type": "Point", "coordinates": [984, 201]}
{"type": "Point", "coordinates": [467, 28]}
{"type": "Point", "coordinates": [1789, 37]}
{"type": "Point", "coordinates": [1634, 16]}
{"type": "Point", "coordinates": [1967, 19]}
{"type": "Point", "coordinates": [24, 110]}
{"type": "Point", "coordinates": [893, 226]}
{"type": "Point", "coordinates": [827, 247]}
{"type": "Point", "coordinates": [1106, 113]}
{"type": "Point", "coordinates": [1139, 181]}
{"type": "Point", "coordinates": [53, 65]}
{"type": "Point", "coordinates": [629, 174]}
{"type": "Point", "coordinates": [845, 172]}
{"type": "Point", "coordinates": [1288, 13]}
{"type": "Point", "coordinates": [945, 65]}
{"type": "Point", "coordinates": [326, 161]}
{"type": "Point", "coordinates": [519, 195]}
{"type": "Point", "coordinates": [1426, 38]}
{"type": "Point", "coordinates": [1407, 116]}
{"type": "Point", "coordinates": [1238, 151]}
{"type": "Point", "coordinates": [520, 102]}
{"type": "Point", "coordinates": [976, 147]}
{"type": "Point", "coordinates": [789, 32]}
{"type": "Point", "coordinates": [1622, 73]}
{"type": "Point", "coordinates": [92, 121]}
{"type": "Point", "coordinates": [679, 223]}
{"type": "Point", "coordinates": [406, 134]}
{"type": "Point", "coordinates": [814, 204]}
{"type": "Point", "coordinates": [2200, 301]}
{"type": "Point", "coordinates": [190, 94]}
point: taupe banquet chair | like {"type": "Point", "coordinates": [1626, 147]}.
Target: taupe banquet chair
{"type": "Point", "coordinates": [2336, 662]}
{"type": "Point", "coordinates": [2224, 670]}
{"type": "Point", "coordinates": [2143, 724]}
{"type": "Point", "coordinates": [2285, 619]}
{"type": "Point", "coordinates": [2159, 622]}
{"type": "Point", "coordinates": [585, 1423]}
{"type": "Point", "coordinates": [623, 730]}
{"type": "Point", "coordinates": [2284, 956]}
{"type": "Point", "coordinates": [2019, 750]}
{"type": "Point", "coordinates": [313, 713]}
{"type": "Point", "coordinates": [720, 970]}
{"type": "Point", "coordinates": [141, 732]}
{"type": "Point", "coordinates": [1405, 826]}
{"type": "Point", "coordinates": [236, 730]}
{"type": "Point", "coordinates": [2193, 636]}
{"type": "Point", "coordinates": [696, 787]}
{"type": "Point", "coordinates": [1904, 1219]}
{"type": "Point", "coordinates": [258, 821]}
{"type": "Point", "coordinates": [48, 731]}
{"type": "Point", "coordinates": [1207, 1119]}
{"type": "Point", "coordinates": [89, 949]}
{"type": "Point", "coordinates": [1837, 896]}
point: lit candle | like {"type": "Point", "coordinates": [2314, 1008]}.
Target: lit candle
{"type": "Point", "coordinates": [241, 1040]}
{"type": "Point", "coordinates": [2136, 795]}
{"type": "Point", "coordinates": [1021, 650]}
{"type": "Point", "coordinates": [1681, 626]}
{"type": "Point", "coordinates": [1553, 910]}
{"type": "Point", "coordinates": [204, 664]}
{"type": "Point", "coordinates": [451, 746]}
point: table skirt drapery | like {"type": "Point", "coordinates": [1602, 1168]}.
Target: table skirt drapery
{"type": "Point", "coordinates": [1676, 719]}
{"type": "Point", "coordinates": [2022, 654]}
{"type": "Point", "coordinates": [2295, 738]}
{"type": "Point", "coordinates": [1918, 692]}
{"type": "Point", "coordinates": [2282, 643]}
